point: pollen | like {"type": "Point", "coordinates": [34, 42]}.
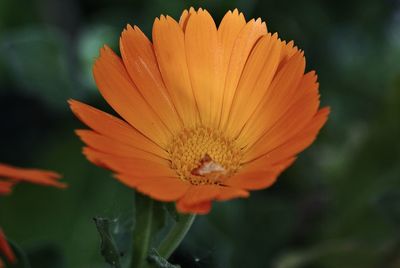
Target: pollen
{"type": "Point", "coordinates": [204, 156]}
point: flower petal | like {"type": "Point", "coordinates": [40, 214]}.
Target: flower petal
{"type": "Point", "coordinates": [199, 208]}
{"type": "Point", "coordinates": [288, 50]}
{"type": "Point", "coordinates": [228, 31]}
{"type": "Point", "coordinates": [129, 165]}
{"type": "Point", "coordinates": [197, 194]}
{"type": "Point", "coordinates": [111, 146]}
{"type": "Point", "coordinates": [6, 187]}
{"type": "Point", "coordinates": [117, 88]}
{"type": "Point", "coordinates": [161, 189]}
{"type": "Point", "coordinates": [37, 176]}
{"type": "Point", "coordinates": [276, 103]}
{"type": "Point", "coordinates": [185, 17]}
{"type": "Point", "coordinates": [5, 249]}
{"type": "Point", "coordinates": [228, 193]}
{"type": "Point", "coordinates": [244, 43]}
{"type": "Point", "coordinates": [258, 174]}
{"type": "Point", "coordinates": [102, 122]}
{"type": "Point", "coordinates": [203, 59]}
{"type": "Point", "coordinates": [141, 64]}
{"type": "Point", "coordinates": [296, 144]}
{"type": "Point", "coordinates": [253, 179]}
{"type": "Point", "coordinates": [294, 120]}
{"type": "Point", "coordinates": [169, 47]}
{"type": "Point", "coordinates": [257, 75]}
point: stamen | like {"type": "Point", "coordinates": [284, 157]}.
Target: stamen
{"type": "Point", "coordinates": [204, 156]}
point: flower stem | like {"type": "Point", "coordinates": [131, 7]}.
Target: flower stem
{"type": "Point", "coordinates": [175, 235]}
{"type": "Point", "coordinates": [142, 232]}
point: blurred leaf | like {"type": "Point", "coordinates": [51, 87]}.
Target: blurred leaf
{"type": "Point", "coordinates": [37, 59]}
{"type": "Point", "coordinates": [389, 206]}
{"type": "Point", "coordinates": [335, 253]}
{"type": "Point", "coordinates": [159, 261]}
{"type": "Point", "coordinates": [108, 247]}
{"type": "Point", "coordinates": [91, 39]}
{"type": "Point", "coordinates": [292, 260]}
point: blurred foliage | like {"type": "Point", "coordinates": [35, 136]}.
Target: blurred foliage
{"type": "Point", "coordinates": [338, 206]}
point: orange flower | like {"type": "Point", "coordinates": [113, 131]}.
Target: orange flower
{"type": "Point", "coordinates": [209, 112]}
{"type": "Point", "coordinates": [9, 176]}
{"type": "Point", "coordinates": [5, 250]}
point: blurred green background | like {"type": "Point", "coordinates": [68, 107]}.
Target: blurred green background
{"type": "Point", "coordinates": [337, 206]}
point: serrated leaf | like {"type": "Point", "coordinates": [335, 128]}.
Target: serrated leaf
{"type": "Point", "coordinates": [108, 247]}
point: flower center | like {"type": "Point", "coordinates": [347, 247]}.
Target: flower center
{"type": "Point", "coordinates": [204, 156]}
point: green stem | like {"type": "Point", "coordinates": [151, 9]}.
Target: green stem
{"type": "Point", "coordinates": [142, 232]}
{"type": "Point", "coordinates": [175, 235]}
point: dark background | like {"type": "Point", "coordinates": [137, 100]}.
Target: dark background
{"type": "Point", "coordinates": [337, 206]}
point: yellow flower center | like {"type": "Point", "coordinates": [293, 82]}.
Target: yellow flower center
{"type": "Point", "coordinates": [204, 156]}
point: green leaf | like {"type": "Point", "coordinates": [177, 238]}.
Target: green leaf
{"type": "Point", "coordinates": [388, 205]}
{"type": "Point", "coordinates": [38, 62]}
{"type": "Point", "coordinates": [108, 247]}
{"type": "Point", "coordinates": [159, 261]}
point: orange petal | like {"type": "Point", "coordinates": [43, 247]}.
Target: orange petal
{"type": "Point", "coordinates": [37, 176]}
{"type": "Point", "coordinates": [257, 75]}
{"type": "Point", "coordinates": [185, 17]}
{"type": "Point", "coordinates": [169, 46]}
{"type": "Point", "coordinates": [256, 125]}
{"type": "Point", "coordinates": [111, 146]}
{"type": "Point", "coordinates": [200, 208]}
{"type": "Point", "coordinates": [203, 60]}
{"type": "Point", "coordinates": [102, 122]}
{"type": "Point", "coordinates": [228, 193]}
{"type": "Point", "coordinates": [228, 31]}
{"type": "Point", "coordinates": [278, 100]}
{"type": "Point", "coordinates": [288, 50]}
{"type": "Point", "coordinates": [262, 165]}
{"type": "Point", "coordinates": [244, 43]}
{"type": "Point", "coordinates": [296, 119]}
{"type": "Point", "coordinates": [5, 248]}
{"type": "Point", "coordinates": [298, 143]}
{"type": "Point", "coordinates": [253, 179]}
{"type": "Point", "coordinates": [119, 91]}
{"type": "Point", "coordinates": [164, 189]}
{"type": "Point", "coordinates": [133, 166]}
{"type": "Point", "coordinates": [141, 64]}
{"type": "Point", "coordinates": [200, 193]}
{"type": "Point", "coordinates": [6, 187]}
{"type": "Point", "coordinates": [161, 189]}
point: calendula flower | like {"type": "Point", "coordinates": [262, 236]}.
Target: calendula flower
{"type": "Point", "coordinates": [208, 113]}
{"type": "Point", "coordinates": [9, 176]}
{"type": "Point", "coordinates": [5, 250]}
